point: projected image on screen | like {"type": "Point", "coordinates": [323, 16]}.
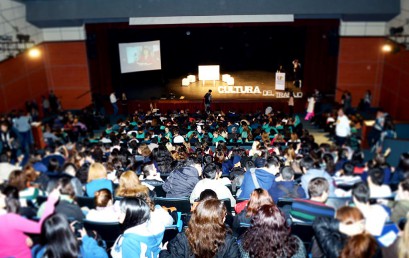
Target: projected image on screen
{"type": "Point", "coordinates": [140, 56]}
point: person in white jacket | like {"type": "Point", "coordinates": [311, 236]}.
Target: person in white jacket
{"type": "Point", "coordinates": [342, 128]}
{"type": "Point", "coordinates": [211, 180]}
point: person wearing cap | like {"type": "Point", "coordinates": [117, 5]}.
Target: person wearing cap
{"type": "Point", "coordinates": [263, 176]}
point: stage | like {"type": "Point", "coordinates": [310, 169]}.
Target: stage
{"type": "Point", "coordinates": [252, 91]}
{"type": "Point", "coordinates": [248, 85]}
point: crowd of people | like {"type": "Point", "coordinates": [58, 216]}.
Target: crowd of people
{"type": "Point", "coordinates": [252, 160]}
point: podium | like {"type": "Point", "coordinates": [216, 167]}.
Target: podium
{"type": "Point", "coordinates": [37, 131]}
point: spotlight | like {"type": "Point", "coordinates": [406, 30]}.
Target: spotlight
{"type": "Point", "coordinates": [34, 53]}
{"type": "Point", "coordinates": [395, 31]}
{"type": "Point", "coordinates": [386, 48]}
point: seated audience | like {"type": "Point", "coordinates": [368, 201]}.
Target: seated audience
{"type": "Point", "coordinates": [97, 180]}
{"type": "Point", "coordinates": [141, 237]}
{"type": "Point", "coordinates": [269, 236]}
{"type": "Point", "coordinates": [310, 172]}
{"type": "Point", "coordinates": [258, 198]}
{"type": "Point", "coordinates": [66, 205]}
{"type": "Point", "coordinates": [345, 178]}
{"type": "Point", "coordinates": [104, 211]}
{"type": "Point", "coordinates": [58, 240]}
{"type": "Point", "coordinates": [261, 177]}
{"type": "Point", "coordinates": [129, 185]}
{"type": "Point", "coordinates": [212, 180]}
{"type": "Point", "coordinates": [308, 210]}
{"type": "Point", "coordinates": [344, 236]}
{"type": "Point", "coordinates": [400, 207]}
{"type": "Point", "coordinates": [150, 175]}
{"type": "Point", "coordinates": [183, 179]}
{"type": "Point", "coordinates": [206, 234]}
{"type": "Point", "coordinates": [13, 238]}
{"type": "Point", "coordinates": [285, 186]}
{"type": "Point", "coordinates": [375, 183]}
{"type": "Point", "coordinates": [158, 214]}
{"type": "Point", "coordinates": [375, 215]}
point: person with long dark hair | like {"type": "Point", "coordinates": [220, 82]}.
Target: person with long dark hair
{"type": "Point", "coordinates": [141, 237]}
{"type": "Point", "coordinates": [269, 236]}
{"type": "Point", "coordinates": [58, 240]}
{"type": "Point", "coordinates": [206, 236]}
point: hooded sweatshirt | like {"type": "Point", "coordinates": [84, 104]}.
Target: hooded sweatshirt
{"type": "Point", "coordinates": [265, 180]}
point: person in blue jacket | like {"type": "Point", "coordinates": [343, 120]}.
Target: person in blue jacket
{"type": "Point", "coordinates": [141, 237]}
{"type": "Point", "coordinates": [58, 240]}
{"type": "Point", "coordinates": [261, 177]}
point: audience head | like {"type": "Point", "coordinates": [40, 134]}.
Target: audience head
{"type": "Point", "coordinates": [269, 234]}
{"type": "Point", "coordinates": [287, 173]}
{"type": "Point", "coordinates": [18, 179]}
{"type": "Point", "coordinates": [133, 212]}
{"type": "Point", "coordinates": [129, 185]}
{"type": "Point", "coordinates": [211, 171]}
{"type": "Point", "coordinates": [360, 193]}
{"type": "Point", "coordinates": [149, 169]}
{"type": "Point", "coordinates": [96, 171]}
{"type": "Point", "coordinates": [206, 230]}
{"type": "Point", "coordinates": [59, 239]}
{"type": "Point", "coordinates": [66, 187]}
{"type": "Point", "coordinates": [307, 163]}
{"type": "Point", "coordinates": [360, 243]}
{"type": "Point", "coordinates": [318, 189]}
{"type": "Point", "coordinates": [348, 168]}
{"type": "Point", "coordinates": [207, 194]}
{"type": "Point", "coordinates": [375, 176]}
{"type": "Point", "coordinates": [258, 198]}
{"type": "Point", "coordinates": [103, 198]}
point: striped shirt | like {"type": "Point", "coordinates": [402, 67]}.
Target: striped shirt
{"type": "Point", "coordinates": [307, 210]}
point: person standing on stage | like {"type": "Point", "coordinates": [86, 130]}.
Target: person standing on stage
{"type": "Point", "coordinates": [114, 104]}
{"type": "Point", "coordinates": [208, 100]}
{"type": "Point", "coordinates": [291, 104]}
{"type": "Point", "coordinates": [297, 73]}
{"type": "Point", "coordinates": [124, 103]}
{"type": "Point", "coordinates": [342, 128]}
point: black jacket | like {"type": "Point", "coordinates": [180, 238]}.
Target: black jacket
{"type": "Point", "coordinates": [327, 234]}
{"type": "Point", "coordinates": [179, 248]}
{"type": "Point", "coordinates": [241, 218]}
{"type": "Point", "coordinates": [180, 182]}
{"type": "Point", "coordinates": [330, 240]}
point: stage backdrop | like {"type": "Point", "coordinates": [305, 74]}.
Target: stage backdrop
{"type": "Point", "coordinates": [235, 47]}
